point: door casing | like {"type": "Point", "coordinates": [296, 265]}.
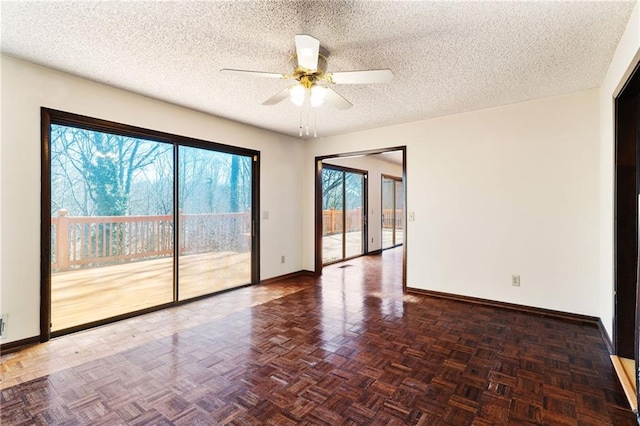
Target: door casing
{"type": "Point", "coordinates": [626, 336]}
{"type": "Point", "coordinates": [318, 204]}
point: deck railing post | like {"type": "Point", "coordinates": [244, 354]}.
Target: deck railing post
{"type": "Point", "coordinates": [62, 240]}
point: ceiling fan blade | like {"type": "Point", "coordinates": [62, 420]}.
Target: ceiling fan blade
{"type": "Point", "coordinates": [278, 97]}
{"type": "Point", "coordinates": [253, 73]}
{"type": "Point", "coordinates": [336, 99]}
{"type": "Point", "coordinates": [307, 50]}
{"type": "Point", "coordinates": [362, 77]}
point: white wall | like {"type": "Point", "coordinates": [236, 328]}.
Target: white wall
{"type": "Point", "coordinates": [496, 192]}
{"type": "Point", "coordinates": [623, 63]}
{"type": "Point", "coordinates": [26, 87]}
{"type": "Point", "coordinates": [376, 169]}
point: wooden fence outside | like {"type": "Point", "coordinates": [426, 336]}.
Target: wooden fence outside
{"type": "Point", "coordinates": [387, 218]}
{"type": "Point", "coordinates": [79, 241]}
{"type": "Point", "coordinates": [332, 221]}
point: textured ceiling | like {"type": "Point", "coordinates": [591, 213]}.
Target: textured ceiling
{"type": "Point", "coordinates": [447, 57]}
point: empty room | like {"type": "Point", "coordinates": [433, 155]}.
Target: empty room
{"type": "Point", "coordinates": [319, 212]}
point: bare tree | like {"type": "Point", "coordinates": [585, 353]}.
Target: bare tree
{"type": "Point", "coordinates": [98, 168]}
{"type": "Point", "coordinates": [95, 171]}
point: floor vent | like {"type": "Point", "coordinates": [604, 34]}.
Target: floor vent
{"type": "Point", "coordinates": [345, 266]}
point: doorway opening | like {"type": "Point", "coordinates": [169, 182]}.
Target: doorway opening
{"type": "Point", "coordinates": [386, 161]}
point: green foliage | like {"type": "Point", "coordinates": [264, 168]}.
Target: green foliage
{"type": "Point", "coordinates": [103, 182]}
{"type": "Point", "coordinates": [93, 172]}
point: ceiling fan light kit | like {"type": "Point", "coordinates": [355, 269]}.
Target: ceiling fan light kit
{"type": "Point", "coordinates": [297, 95]}
{"type": "Point", "coordinates": [312, 87]}
{"type": "Point", "coordinates": [318, 93]}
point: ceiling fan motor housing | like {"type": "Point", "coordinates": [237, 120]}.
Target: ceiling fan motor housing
{"type": "Point", "coordinates": [308, 77]}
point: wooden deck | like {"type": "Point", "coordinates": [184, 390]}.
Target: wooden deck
{"type": "Point", "coordinates": [82, 296]}
{"type": "Point", "coordinates": [332, 244]}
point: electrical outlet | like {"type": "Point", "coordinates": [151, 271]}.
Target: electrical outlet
{"type": "Point", "coordinates": [371, 240]}
{"type": "Point", "coordinates": [281, 259]}
{"type": "Point", "coordinates": [515, 280]}
{"type": "Point", "coordinates": [3, 326]}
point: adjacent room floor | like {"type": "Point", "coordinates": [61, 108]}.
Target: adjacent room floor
{"type": "Point", "coordinates": [346, 348]}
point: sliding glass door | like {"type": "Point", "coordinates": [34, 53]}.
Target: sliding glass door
{"type": "Point", "coordinates": [343, 213]}
{"type": "Point", "coordinates": [392, 211]}
{"type": "Point", "coordinates": [111, 225]}
{"type": "Point", "coordinates": [135, 220]}
{"type": "Point", "coordinates": [354, 214]}
{"type": "Point", "coordinates": [215, 221]}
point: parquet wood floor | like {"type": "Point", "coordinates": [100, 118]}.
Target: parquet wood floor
{"type": "Point", "coordinates": [347, 348]}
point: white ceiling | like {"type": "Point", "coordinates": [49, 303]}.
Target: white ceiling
{"type": "Point", "coordinates": [447, 57]}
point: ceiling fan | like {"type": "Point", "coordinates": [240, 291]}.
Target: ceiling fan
{"type": "Point", "coordinates": [313, 82]}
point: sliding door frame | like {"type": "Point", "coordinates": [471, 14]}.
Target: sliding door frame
{"type": "Point", "coordinates": [365, 204]}
{"type": "Point", "coordinates": [395, 180]}
{"type": "Point", "coordinates": [51, 116]}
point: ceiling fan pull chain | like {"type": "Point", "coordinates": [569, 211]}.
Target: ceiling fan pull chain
{"type": "Point", "coordinates": [315, 123]}
{"type": "Point", "coordinates": [300, 123]}
{"type": "Point", "coordinates": [307, 107]}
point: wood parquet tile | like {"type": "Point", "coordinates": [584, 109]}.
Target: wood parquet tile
{"type": "Point", "coordinates": [348, 348]}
